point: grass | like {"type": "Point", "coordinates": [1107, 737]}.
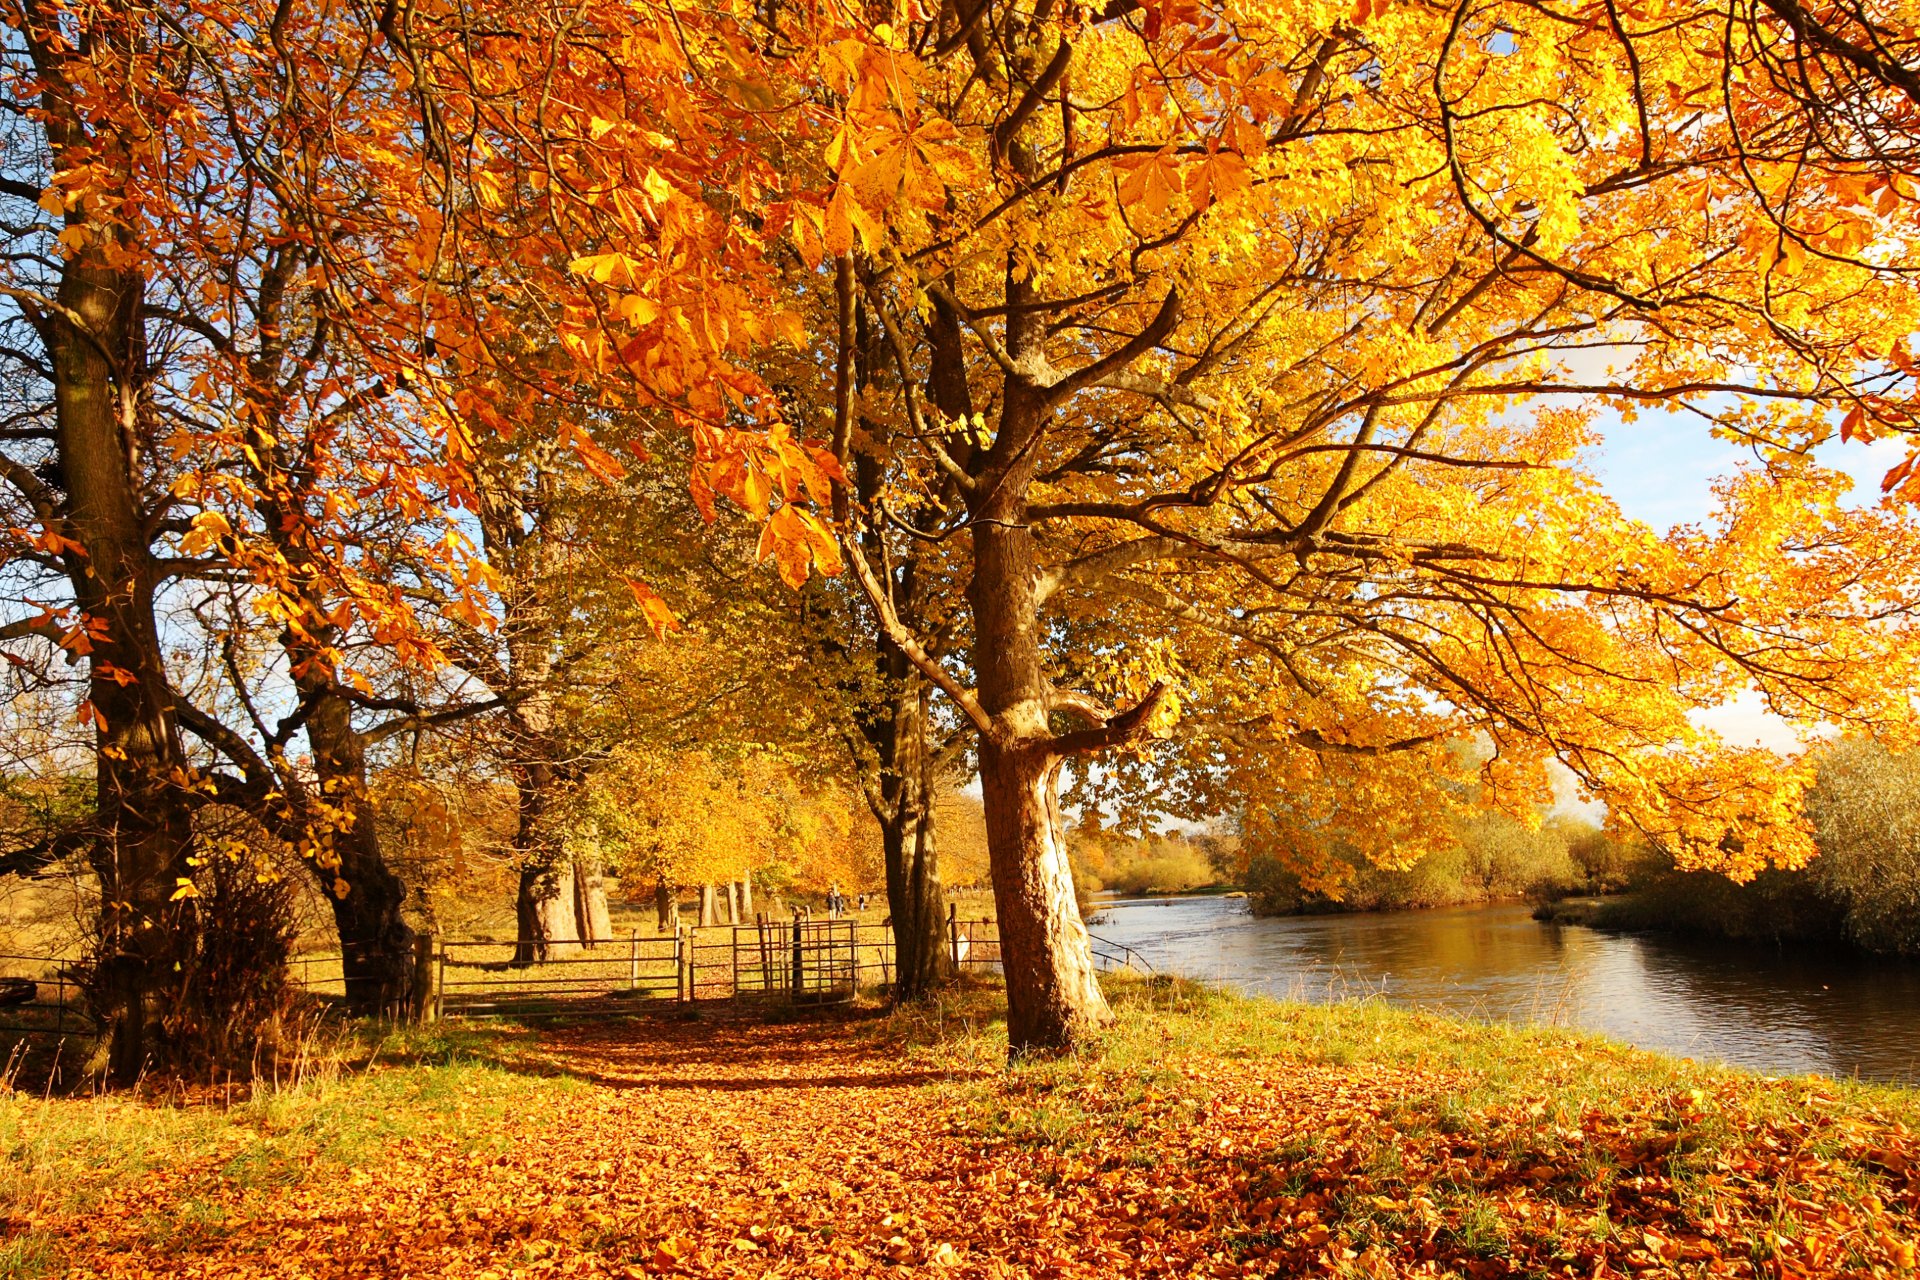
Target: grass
{"type": "Point", "coordinates": [1345, 1140]}
{"type": "Point", "coordinates": [380, 1084]}
{"type": "Point", "coordinates": [1532, 1147]}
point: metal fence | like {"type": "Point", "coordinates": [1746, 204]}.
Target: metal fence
{"type": "Point", "coordinates": [40, 995]}
{"type": "Point", "coordinates": [802, 960]}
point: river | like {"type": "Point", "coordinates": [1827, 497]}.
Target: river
{"type": "Point", "coordinates": [1749, 1005]}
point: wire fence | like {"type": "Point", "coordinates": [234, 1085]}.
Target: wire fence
{"type": "Point", "coordinates": [802, 960]}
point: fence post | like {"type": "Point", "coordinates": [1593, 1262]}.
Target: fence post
{"type": "Point", "coordinates": [766, 955]}
{"type": "Point", "coordinates": [799, 982]}
{"type": "Point", "coordinates": [633, 959]}
{"type": "Point", "coordinates": [422, 1002]}
{"type": "Point", "coordinates": [440, 985]}
{"type": "Point", "coordinates": [733, 935]}
{"type": "Point", "coordinates": [886, 945]}
{"type": "Point", "coordinates": [953, 933]}
{"type": "Point", "coordinates": [682, 985]}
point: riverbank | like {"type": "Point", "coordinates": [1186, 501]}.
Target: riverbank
{"type": "Point", "coordinates": [1717, 910]}
{"type": "Point", "coordinates": [1206, 1134]}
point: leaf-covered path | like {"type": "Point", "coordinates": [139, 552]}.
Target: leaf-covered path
{"type": "Point", "coordinates": [736, 1148]}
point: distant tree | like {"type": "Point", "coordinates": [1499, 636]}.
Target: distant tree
{"type": "Point", "coordinates": [1865, 807]}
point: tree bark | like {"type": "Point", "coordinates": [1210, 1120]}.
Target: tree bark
{"type": "Point", "coordinates": [665, 907]}
{"type": "Point", "coordinates": [733, 902]}
{"type": "Point", "coordinates": [1053, 991]}
{"type": "Point", "coordinates": [916, 902]}
{"type": "Point", "coordinates": [544, 909]}
{"type": "Point", "coordinates": [897, 728]}
{"type": "Point", "coordinates": [144, 819]}
{"type": "Point", "coordinates": [590, 901]}
{"type": "Point", "coordinates": [1053, 997]}
{"type": "Point", "coordinates": [706, 906]}
{"type": "Point", "coordinates": [367, 898]}
{"type": "Point", "coordinates": [144, 824]}
{"type": "Point", "coordinates": [746, 897]}
{"type": "Point", "coordinates": [94, 341]}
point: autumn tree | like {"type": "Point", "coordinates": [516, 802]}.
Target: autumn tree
{"type": "Point", "coordinates": [229, 190]}
{"type": "Point", "coordinates": [82, 492]}
{"type": "Point", "coordinates": [1286, 348]}
{"type": "Point", "coordinates": [324, 479]}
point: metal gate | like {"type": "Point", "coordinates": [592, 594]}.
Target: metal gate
{"type": "Point", "coordinates": [481, 979]}
{"type": "Point", "coordinates": [799, 961]}
{"type": "Point", "coordinates": [802, 960]}
{"type": "Point", "coordinates": [40, 996]}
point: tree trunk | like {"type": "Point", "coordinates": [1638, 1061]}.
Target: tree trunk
{"type": "Point", "coordinates": [915, 901]}
{"type": "Point", "coordinates": [590, 901]}
{"type": "Point", "coordinates": [706, 906]}
{"type": "Point", "coordinates": [548, 926]}
{"type": "Point", "coordinates": [144, 817]}
{"type": "Point", "coordinates": [746, 897]}
{"type": "Point", "coordinates": [667, 910]}
{"type": "Point", "coordinates": [1053, 997]}
{"type": "Point", "coordinates": [897, 728]}
{"type": "Point", "coordinates": [733, 902]}
{"type": "Point", "coordinates": [1053, 992]}
{"type": "Point", "coordinates": [376, 943]}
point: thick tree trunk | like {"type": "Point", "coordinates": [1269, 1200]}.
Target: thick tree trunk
{"type": "Point", "coordinates": [1053, 997]}
{"type": "Point", "coordinates": [733, 902]}
{"type": "Point", "coordinates": [590, 901]}
{"type": "Point", "coordinates": [376, 943]}
{"type": "Point", "coordinates": [746, 897]}
{"type": "Point", "coordinates": [544, 909]}
{"type": "Point", "coordinates": [144, 818]}
{"type": "Point", "coordinates": [665, 907]}
{"type": "Point", "coordinates": [1053, 992]}
{"type": "Point", "coordinates": [547, 905]}
{"type": "Point", "coordinates": [707, 917]}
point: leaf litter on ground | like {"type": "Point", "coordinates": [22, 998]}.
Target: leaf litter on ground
{"type": "Point", "coordinates": [1206, 1137]}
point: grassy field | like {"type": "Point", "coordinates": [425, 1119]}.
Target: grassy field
{"type": "Point", "coordinates": [1205, 1134]}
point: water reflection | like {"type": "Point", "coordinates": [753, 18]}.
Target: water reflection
{"type": "Point", "coordinates": [1749, 1005]}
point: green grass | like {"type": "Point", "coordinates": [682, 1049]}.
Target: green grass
{"type": "Point", "coordinates": [61, 1156]}
{"type": "Point", "coordinates": [1459, 1119]}
{"type": "Point", "coordinates": [1576, 1120]}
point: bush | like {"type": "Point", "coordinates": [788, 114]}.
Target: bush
{"type": "Point", "coordinates": [1493, 857]}
{"type": "Point", "coordinates": [1775, 906]}
{"type": "Point", "coordinates": [1865, 807]}
{"type": "Point", "coordinates": [1138, 864]}
{"type": "Point", "coordinates": [232, 1000]}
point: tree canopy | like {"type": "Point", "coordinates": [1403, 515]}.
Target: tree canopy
{"type": "Point", "coordinates": [1203, 397]}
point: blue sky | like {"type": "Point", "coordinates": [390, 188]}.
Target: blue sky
{"type": "Point", "coordinates": [1660, 469]}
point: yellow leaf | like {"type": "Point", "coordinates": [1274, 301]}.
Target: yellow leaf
{"type": "Point", "coordinates": [184, 888]}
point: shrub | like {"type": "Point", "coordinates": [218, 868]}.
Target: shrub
{"type": "Point", "coordinates": [1865, 807]}
{"type": "Point", "coordinates": [1492, 857]}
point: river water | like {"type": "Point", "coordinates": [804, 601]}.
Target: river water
{"type": "Point", "coordinates": [1750, 1005]}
